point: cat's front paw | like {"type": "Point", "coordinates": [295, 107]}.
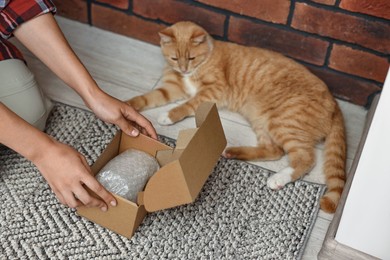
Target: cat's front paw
{"type": "Point", "coordinates": [164, 119]}
{"type": "Point", "coordinates": [280, 179]}
{"type": "Point", "coordinates": [138, 103]}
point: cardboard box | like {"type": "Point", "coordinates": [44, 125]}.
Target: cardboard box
{"type": "Point", "coordinates": [183, 172]}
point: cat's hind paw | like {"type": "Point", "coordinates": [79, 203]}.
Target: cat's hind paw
{"type": "Point", "coordinates": [164, 119]}
{"type": "Point", "coordinates": [280, 179]}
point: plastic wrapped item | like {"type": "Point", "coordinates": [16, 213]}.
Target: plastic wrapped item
{"type": "Point", "coordinates": [127, 173]}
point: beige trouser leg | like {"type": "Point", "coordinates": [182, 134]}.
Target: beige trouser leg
{"type": "Point", "coordinates": [20, 92]}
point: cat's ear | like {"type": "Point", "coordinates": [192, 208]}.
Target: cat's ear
{"type": "Point", "coordinates": [198, 38]}
{"type": "Point", "coordinates": [166, 36]}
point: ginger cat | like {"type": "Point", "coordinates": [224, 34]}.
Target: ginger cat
{"type": "Point", "coordinates": [288, 107]}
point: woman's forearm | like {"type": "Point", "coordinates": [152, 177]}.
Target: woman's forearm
{"type": "Point", "coordinates": [43, 37]}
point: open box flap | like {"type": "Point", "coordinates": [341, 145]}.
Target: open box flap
{"type": "Point", "coordinates": [180, 181]}
{"type": "Point", "coordinates": [166, 156]}
{"type": "Point", "coordinates": [142, 143]}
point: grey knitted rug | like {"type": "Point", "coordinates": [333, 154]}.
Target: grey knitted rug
{"type": "Point", "coordinates": [235, 217]}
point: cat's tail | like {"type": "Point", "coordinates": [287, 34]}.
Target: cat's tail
{"type": "Point", "coordinates": [334, 164]}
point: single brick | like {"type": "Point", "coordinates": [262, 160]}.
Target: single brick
{"type": "Point", "coordinates": [119, 22]}
{"type": "Point", "coordinates": [172, 11]}
{"type": "Point", "coordinates": [122, 4]}
{"type": "Point", "coordinates": [359, 63]}
{"type": "Point", "coordinates": [379, 8]}
{"type": "Point", "coordinates": [73, 9]}
{"type": "Point", "coordinates": [371, 34]}
{"type": "Point", "coordinates": [275, 11]}
{"type": "Point", "coordinates": [290, 43]}
{"type": "Point", "coordinates": [345, 87]}
{"type": "Point", "coordinates": [325, 2]}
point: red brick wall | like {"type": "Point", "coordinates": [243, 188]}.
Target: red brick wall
{"type": "Point", "coordinates": [344, 42]}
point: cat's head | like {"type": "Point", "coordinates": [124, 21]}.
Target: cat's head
{"type": "Point", "coordinates": [185, 46]}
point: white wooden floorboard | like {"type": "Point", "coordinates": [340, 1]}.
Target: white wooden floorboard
{"type": "Point", "coordinates": [316, 238]}
{"type": "Point", "coordinates": [123, 60]}
{"type": "Point", "coordinates": [125, 67]}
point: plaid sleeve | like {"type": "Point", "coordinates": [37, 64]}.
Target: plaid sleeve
{"type": "Point", "coordinates": [9, 51]}
{"type": "Point", "coordinates": [15, 13]}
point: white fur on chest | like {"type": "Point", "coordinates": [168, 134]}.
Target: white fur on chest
{"type": "Point", "coordinates": [190, 86]}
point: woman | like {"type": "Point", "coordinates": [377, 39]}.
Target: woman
{"type": "Point", "coordinates": [66, 170]}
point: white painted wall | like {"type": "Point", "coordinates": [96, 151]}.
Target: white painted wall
{"type": "Point", "coordinates": [365, 222]}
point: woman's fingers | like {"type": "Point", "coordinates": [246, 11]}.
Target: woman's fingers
{"type": "Point", "coordinates": [131, 115]}
{"type": "Point", "coordinates": [97, 188]}
{"type": "Point", "coordinates": [70, 200]}
{"type": "Point", "coordinates": [86, 199]}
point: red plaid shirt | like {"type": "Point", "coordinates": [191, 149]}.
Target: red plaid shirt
{"type": "Point", "coordinates": [12, 14]}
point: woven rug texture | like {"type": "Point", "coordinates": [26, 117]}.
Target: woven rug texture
{"type": "Point", "coordinates": [235, 216]}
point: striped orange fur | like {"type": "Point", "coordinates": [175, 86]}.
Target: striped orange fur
{"type": "Point", "coordinates": [289, 108]}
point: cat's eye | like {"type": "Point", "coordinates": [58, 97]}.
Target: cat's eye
{"type": "Point", "coordinates": [174, 58]}
{"type": "Point", "coordinates": [191, 58]}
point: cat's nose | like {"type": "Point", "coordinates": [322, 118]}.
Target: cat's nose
{"type": "Point", "coordinates": [183, 68]}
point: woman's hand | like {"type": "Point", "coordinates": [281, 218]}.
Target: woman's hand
{"type": "Point", "coordinates": [66, 170]}
{"type": "Point", "coordinates": [112, 110]}
{"type": "Point", "coordinates": [68, 175]}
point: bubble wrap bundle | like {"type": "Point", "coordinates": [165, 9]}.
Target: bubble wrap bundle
{"type": "Point", "coordinates": [127, 173]}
